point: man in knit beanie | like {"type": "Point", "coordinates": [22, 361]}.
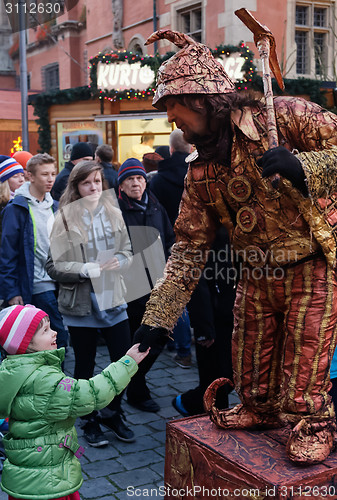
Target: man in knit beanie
{"type": "Point", "coordinates": [285, 313]}
{"type": "Point", "coordinates": [131, 168]}
{"type": "Point", "coordinates": [80, 151]}
{"type": "Point", "coordinates": [149, 228]}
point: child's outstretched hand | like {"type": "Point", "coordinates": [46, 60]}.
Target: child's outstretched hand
{"type": "Point", "coordinates": [136, 354]}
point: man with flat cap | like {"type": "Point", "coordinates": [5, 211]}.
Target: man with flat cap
{"type": "Point", "coordinates": [285, 313]}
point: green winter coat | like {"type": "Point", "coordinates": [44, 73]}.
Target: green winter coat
{"type": "Point", "coordinates": [42, 404]}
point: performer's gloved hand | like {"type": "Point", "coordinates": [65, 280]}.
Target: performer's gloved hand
{"type": "Point", "coordinates": [280, 161]}
{"type": "Point", "coordinates": [150, 336]}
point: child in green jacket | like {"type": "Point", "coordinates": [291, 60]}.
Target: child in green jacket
{"type": "Point", "coordinates": [42, 404]}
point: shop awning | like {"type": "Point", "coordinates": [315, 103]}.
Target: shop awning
{"type": "Point", "coordinates": [129, 116]}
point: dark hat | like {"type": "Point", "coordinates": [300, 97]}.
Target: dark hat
{"type": "Point", "coordinates": [151, 160]}
{"type": "Point", "coordinates": [81, 150]}
{"type": "Point", "coordinates": [131, 166]}
{"type": "Point", "coordinates": [163, 151]}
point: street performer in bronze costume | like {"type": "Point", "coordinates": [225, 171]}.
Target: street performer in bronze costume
{"type": "Point", "coordinates": [285, 314]}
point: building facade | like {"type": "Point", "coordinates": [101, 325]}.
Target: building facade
{"type": "Point", "coordinates": [58, 51]}
{"type": "Point", "coordinates": [7, 73]}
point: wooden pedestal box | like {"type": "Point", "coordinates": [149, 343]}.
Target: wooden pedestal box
{"type": "Point", "coordinates": [204, 462]}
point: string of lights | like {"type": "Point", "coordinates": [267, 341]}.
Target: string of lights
{"type": "Point", "coordinates": [154, 62]}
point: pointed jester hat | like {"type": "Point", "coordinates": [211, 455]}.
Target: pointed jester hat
{"type": "Point", "coordinates": [192, 70]}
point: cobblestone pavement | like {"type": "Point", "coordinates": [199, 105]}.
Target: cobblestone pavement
{"type": "Point", "coordinates": [125, 470]}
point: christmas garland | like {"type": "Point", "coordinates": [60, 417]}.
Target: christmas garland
{"type": "Point", "coordinates": [42, 102]}
{"type": "Point", "coordinates": [248, 67]}
{"type": "Point", "coordinates": [302, 86]}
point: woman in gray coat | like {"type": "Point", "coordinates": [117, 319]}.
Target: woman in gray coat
{"type": "Point", "coordinates": [89, 249]}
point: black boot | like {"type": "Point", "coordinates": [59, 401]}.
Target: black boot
{"type": "Point", "coordinates": [113, 420]}
{"type": "Point", "coordinates": [93, 433]}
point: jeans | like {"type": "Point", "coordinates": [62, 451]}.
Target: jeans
{"type": "Point", "coordinates": [48, 303]}
{"type": "Point", "coordinates": [333, 392]}
{"type": "Point", "coordinates": [182, 335]}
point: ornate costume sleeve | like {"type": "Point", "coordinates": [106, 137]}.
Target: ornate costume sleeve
{"type": "Point", "coordinates": [314, 131]}
{"type": "Point", "coordinates": [195, 231]}
{"type": "Point", "coordinates": [320, 168]}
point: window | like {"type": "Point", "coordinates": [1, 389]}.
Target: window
{"type": "Point", "coordinates": [301, 39]}
{"type": "Point", "coordinates": [320, 52]}
{"type": "Point", "coordinates": [320, 17]}
{"type": "Point", "coordinates": [137, 49]}
{"type": "Point", "coordinates": [190, 21]}
{"type": "Point", "coordinates": [311, 37]}
{"type": "Point", "coordinates": [50, 77]}
{"type": "Point", "coordinates": [17, 81]}
{"type": "Point", "coordinates": [301, 15]}
{"type": "Point", "coordinates": [136, 45]}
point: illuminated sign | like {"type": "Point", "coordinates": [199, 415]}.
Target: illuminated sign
{"type": "Point", "coordinates": [233, 66]}
{"type": "Point", "coordinates": [124, 76]}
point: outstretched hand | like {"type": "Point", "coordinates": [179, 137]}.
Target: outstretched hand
{"type": "Point", "coordinates": [136, 354]}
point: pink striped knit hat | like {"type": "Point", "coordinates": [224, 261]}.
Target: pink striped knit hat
{"type": "Point", "coordinates": [17, 327]}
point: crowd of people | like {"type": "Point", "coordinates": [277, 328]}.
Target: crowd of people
{"type": "Point", "coordinates": [69, 245]}
{"type": "Point", "coordinates": [69, 242]}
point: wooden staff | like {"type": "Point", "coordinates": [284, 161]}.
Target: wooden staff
{"type": "Point", "coordinates": [266, 46]}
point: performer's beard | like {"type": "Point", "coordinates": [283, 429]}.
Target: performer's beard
{"type": "Point", "coordinates": [215, 146]}
{"type": "Point", "coordinates": [196, 139]}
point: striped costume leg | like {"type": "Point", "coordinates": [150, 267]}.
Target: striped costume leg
{"type": "Point", "coordinates": [258, 343]}
{"type": "Point", "coordinates": [310, 323]}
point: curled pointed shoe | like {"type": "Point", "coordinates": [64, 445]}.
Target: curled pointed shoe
{"type": "Point", "coordinates": [209, 399]}
{"type": "Point", "coordinates": [311, 442]}
{"type": "Point", "coordinates": [239, 417]}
